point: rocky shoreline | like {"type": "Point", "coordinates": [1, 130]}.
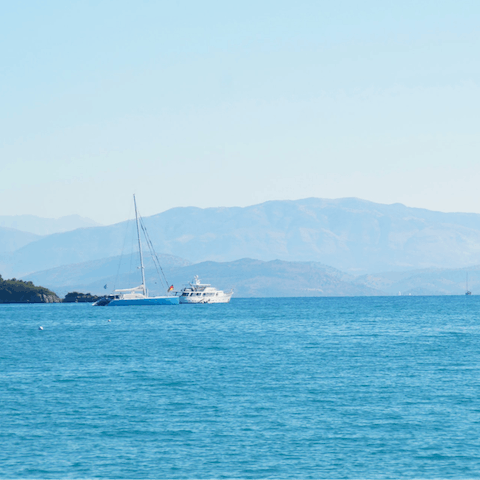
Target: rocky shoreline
{"type": "Point", "coordinates": [76, 297]}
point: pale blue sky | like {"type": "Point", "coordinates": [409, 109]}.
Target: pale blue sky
{"type": "Point", "coordinates": [219, 104]}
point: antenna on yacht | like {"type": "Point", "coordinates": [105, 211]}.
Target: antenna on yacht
{"type": "Point", "coordinates": [142, 268]}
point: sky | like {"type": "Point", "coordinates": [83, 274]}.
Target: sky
{"type": "Point", "coordinates": [218, 103]}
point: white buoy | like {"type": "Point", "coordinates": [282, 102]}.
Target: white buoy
{"type": "Point", "coordinates": [40, 328]}
{"type": "Point", "coordinates": [109, 320]}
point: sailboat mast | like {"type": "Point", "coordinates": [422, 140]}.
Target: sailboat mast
{"type": "Point", "coordinates": [140, 248]}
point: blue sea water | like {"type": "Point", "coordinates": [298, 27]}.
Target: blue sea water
{"type": "Point", "coordinates": [385, 387]}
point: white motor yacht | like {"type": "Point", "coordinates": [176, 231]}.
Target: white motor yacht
{"type": "Point", "coordinates": [196, 292]}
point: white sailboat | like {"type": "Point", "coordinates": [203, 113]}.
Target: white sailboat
{"type": "Point", "coordinates": [137, 295]}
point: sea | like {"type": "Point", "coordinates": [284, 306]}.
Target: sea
{"type": "Point", "coordinates": [337, 388]}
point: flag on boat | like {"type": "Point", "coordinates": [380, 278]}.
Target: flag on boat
{"type": "Point", "coordinates": [171, 288]}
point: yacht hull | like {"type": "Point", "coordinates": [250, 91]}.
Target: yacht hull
{"type": "Point", "coordinates": [143, 301]}
{"type": "Point", "coordinates": [201, 300]}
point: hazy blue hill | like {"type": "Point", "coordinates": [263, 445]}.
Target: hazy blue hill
{"type": "Point", "coordinates": [100, 272]}
{"type": "Point", "coordinates": [275, 278]}
{"type": "Point", "coordinates": [250, 278]}
{"type": "Point", "coordinates": [11, 239]}
{"type": "Point", "coordinates": [45, 226]}
{"type": "Point", "coordinates": [77, 246]}
{"type": "Point", "coordinates": [350, 234]}
{"type": "Point", "coordinates": [425, 282]}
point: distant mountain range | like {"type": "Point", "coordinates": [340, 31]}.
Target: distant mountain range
{"type": "Point", "coordinates": [276, 248]}
{"type": "Point", "coordinates": [255, 278]}
{"type": "Point", "coordinates": [45, 226]}
{"type": "Point", "coordinates": [249, 278]}
{"type": "Point", "coordinates": [349, 234]}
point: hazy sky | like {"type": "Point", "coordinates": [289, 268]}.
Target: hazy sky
{"type": "Point", "coordinates": [214, 103]}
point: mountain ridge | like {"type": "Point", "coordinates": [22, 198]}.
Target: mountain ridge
{"type": "Point", "coordinates": [248, 277]}
{"type": "Point", "coordinates": [46, 226]}
{"type": "Point", "coordinates": [353, 235]}
{"type": "Point", "coordinates": [258, 278]}
{"type": "Point", "coordinates": [12, 239]}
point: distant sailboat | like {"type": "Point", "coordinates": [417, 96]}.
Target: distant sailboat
{"type": "Point", "coordinates": [467, 291]}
